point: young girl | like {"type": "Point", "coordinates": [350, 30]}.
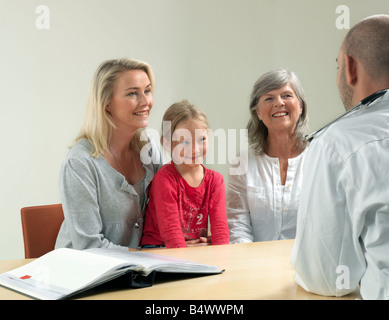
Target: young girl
{"type": "Point", "coordinates": [184, 193]}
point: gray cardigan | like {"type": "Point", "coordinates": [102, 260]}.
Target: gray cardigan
{"type": "Point", "coordinates": [101, 209]}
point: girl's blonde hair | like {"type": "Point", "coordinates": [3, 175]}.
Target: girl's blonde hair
{"type": "Point", "coordinates": [98, 124]}
{"type": "Point", "coordinates": [178, 113]}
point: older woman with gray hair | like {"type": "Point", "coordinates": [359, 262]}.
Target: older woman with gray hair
{"type": "Point", "coordinates": [264, 187]}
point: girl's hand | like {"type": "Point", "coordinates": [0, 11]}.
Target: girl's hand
{"type": "Point", "coordinates": [202, 241]}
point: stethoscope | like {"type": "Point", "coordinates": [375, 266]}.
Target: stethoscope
{"type": "Point", "coordinates": [363, 104]}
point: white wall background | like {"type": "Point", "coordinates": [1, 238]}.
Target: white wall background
{"type": "Point", "coordinates": [208, 51]}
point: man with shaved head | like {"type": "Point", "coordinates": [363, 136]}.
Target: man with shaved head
{"type": "Point", "coordinates": [342, 239]}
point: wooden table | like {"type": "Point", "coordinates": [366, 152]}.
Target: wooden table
{"type": "Point", "coordinates": [253, 271]}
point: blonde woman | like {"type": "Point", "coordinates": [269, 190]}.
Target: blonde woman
{"type": "Point", "coordinates": [263, 199]}
{"type": "Point", "coordinates": [103, 180]}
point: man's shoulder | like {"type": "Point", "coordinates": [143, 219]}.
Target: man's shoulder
{"type": "Point", "coordinates": [351, 133]}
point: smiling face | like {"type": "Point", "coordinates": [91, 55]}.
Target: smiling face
{"type": "Point", "coordinates": [279, 109]}
{"type": "Point", "coordinates": [189, 143]}
{"type": "Point", "coordinates": [131, 101]}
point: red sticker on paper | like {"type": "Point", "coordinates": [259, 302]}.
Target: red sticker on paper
{"type": "Point", "coordinates": [25, 277]}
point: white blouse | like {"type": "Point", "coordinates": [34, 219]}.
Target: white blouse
{"type": "Point", "coordinates": [259, 208]}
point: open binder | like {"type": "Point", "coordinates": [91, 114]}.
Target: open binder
{"type": "Point", "coordinates": [62, 273]}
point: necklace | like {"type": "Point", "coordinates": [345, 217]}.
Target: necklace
{"type": "Point", "coordinates": [141, 193]}
{"type": "Point", "coordinates": [121, 170]}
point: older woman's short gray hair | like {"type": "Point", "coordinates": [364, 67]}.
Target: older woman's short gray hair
{"type": "Point", "coordinates": [257, 131]}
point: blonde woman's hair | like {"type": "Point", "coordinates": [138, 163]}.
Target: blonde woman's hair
{"type": "Point", "coordinates": [178, 113]}
{"type": "Point", "coordinates": [257, 131]}
{"type": "Point", "coordinates": [98, 124]}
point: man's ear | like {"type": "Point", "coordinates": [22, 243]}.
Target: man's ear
{"type": "Point", "coordinates": [350, 70]}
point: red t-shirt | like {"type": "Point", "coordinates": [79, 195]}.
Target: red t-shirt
{"type": "Point", "coordinates": [177, 212]}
